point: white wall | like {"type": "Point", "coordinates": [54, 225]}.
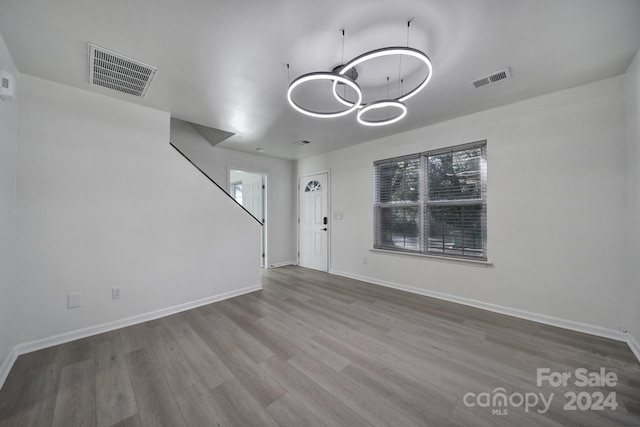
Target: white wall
{"type": "Point", "coordinates": [281, 196]}
{"type": "Point", "coordinates": [8, 157]}
{"type": "Point", "coordinates": [105, 201]}
{"type": "Point", "coordinates": [556, 200]}
{"type": "Point", "coordinates": [632, 92]}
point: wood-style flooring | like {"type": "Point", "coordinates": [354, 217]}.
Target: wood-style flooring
{"type": "Point", "coordinates": [313, 349]}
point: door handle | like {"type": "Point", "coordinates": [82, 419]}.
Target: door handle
{"type": "Point", "coordinates": [323, 229]}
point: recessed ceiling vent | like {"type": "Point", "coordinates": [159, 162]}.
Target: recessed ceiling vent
{"type": "Point", "coordinates": [492, 78]}
{"type": "Point", "coordinates": [117, 72]}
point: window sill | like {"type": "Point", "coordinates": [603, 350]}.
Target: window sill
{"type": "Point", "coordinates": [448, 259]}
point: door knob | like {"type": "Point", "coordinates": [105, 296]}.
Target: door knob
{"type": "Point", "coordinates": [323, 229]}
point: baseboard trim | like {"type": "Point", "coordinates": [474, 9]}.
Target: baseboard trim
{"type": "Point", "coordinates": [522, 314]}
{"type": "Point", "coordinates": [7, 365]}
{"type": "Point", "coordinates": [282, 264]}
{"type": "Point", "coordinates": [40, 344]}
{"type": "Point", "coordinates": [634, 346]}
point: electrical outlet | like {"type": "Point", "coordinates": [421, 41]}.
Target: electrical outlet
{"type": "Point", "coordinates": [365, 260]}
{"type": "Point", "coordinates": [74, 300]}
{"type": "Point", "coordinates": [116, 293]}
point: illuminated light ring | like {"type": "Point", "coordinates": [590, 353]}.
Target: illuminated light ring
{"type": "Point", "coordinates": [324, 76]}
{"type": "Point", "coordinates": [382, 104]}
{"type": "Point", "coordinates": [387, 51]}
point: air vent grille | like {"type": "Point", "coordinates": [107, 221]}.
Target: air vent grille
{"type": "Point", "coordinates": [117, 72]}
{"type": "Point", "coordinates": [492, 78]}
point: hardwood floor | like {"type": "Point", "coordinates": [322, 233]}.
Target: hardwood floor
{"type": "Point", "coordinates": [313, 349]}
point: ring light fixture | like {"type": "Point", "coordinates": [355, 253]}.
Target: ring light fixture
{"type": "Point", "coordinates": [382, 104]}
{"type": "Point", "coordinates": [336, 78]}
{"type": "Point", "coordinates": [387, 51]}
{"type": "Point", "coordinates": [347, 74]}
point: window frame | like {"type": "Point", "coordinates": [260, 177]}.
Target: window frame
{"type": "Point", "coordinates": [235, 186]}
{"type": "Point", "coordinates": [424, 204]}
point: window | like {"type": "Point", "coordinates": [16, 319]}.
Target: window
{"type": "Point", "coordinates": [433, 203]}
{"type": "Point", "coordinates": [236, 191]}
{"type": "Point", "coordinates": [313, 186]}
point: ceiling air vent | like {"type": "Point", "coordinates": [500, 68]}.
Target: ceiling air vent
{"type": "Point", "coordinates": [117, 72]}
{"type": "Point", "coordinates": [492, 78]}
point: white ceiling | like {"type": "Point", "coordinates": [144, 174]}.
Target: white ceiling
{"type": "Point", "coordinates": [222, 63]}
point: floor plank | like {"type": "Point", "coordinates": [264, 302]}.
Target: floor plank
{"type": "Point", "coordinates": [314, 349]}
{"type": "Point", "coordinates": [187, 386]}
{"type": "Point", "coordinates": [361, 399]}
{"type": "Point", "coordinates": [323, 404]}
{"type": "Point", "coordinates": [240, 407]}
{"type": "Point", "coordinates": [207, 364]}
{"type": "Point", "coordinates": [76, 401]}
{"type": "Point", "coordinates": [252, 347]}
{"type": "Point", "coordinates": [259, 384]}
{"type": "Point", "coordinates": [34, 402]}
{"type": "Point", "coordinates": [156, 404]}
{"type": "Point", "coordinates": [288, 411]}
{"type": "Point", "coordinates": [115, 400]}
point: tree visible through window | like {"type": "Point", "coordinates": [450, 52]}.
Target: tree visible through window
{"type": "Point", "coordinates": [433, 202]}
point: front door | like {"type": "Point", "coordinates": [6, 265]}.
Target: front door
{"type": "Point", "coordinates": [314, 222]}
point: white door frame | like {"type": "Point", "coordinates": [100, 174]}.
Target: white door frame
{"type": "Point", "coordinates": [264, 232]}
{"type": "Point", "coordinates": [328, 192]}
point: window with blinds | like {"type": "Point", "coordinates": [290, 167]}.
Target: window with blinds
{"type": "Point", "coordinates": [433, 202]}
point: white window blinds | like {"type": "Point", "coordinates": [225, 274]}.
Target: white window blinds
{"type": "Point", "coordinates": [398, 200]}
{"type": "Point", "coordinates": [433, 202]}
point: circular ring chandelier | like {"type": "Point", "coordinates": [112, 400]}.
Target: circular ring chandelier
{"type": "Point", "coordinates": [335, 78]}
{"type": "Point", "coordinates": [387, 51]}
{"type": "Point", "coordinates": [382, 104]}
{"type": "Point", "coordinates": [347, 74]}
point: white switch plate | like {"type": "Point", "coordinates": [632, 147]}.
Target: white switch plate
{"type": "Point", "coordinates": [7, 86]}
{"type": "Point", "coordinates": [116, 293]}
{"type": "Point", "coordinates": [74, 300]}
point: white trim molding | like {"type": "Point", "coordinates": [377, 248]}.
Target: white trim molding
{"type": "Point", "coordinates": [634, 346]}
{"type": "Point", "coordinates": [522, 314]}
{"type": "Point", "coordinates": [441, 258]}
{"type": "Point", "coordinates": [7, 365]}
{"type": "Point", "coordinates": [282, 264]}
{"type": "Point", "coordinates": [65, 337]}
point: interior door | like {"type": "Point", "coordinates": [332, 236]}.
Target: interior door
{"type": "Point", "coordinates": [252, 195]}
{"type": "Point", "coordinates": [314, 222]}
{"type": "Point", "coordinates": [249, 189]}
